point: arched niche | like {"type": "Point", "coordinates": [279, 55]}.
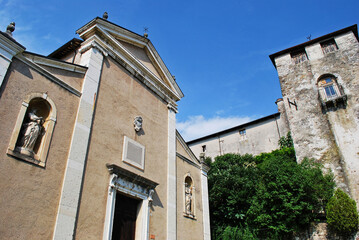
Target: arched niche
{"type": "Point", "coordinates": [33, 130]}
{"type": "Point", "coordinates": [189, 196]}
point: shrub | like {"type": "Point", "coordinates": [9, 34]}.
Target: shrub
{"type": "Point", "coordinates": [342, 214]}
{"type": "Point", "coordinates": [235, 233]}
{"type": "Point", "coordinates": [270, 195]}
{"type": "Point", "coordinates": [289, 195]}
{"type": "Point", "coordinates": [286, 142]}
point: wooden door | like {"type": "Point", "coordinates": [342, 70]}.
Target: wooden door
{"type": "Point", "coordinates": [124, 223]}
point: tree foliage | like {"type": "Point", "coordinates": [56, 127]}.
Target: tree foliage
{"type": "Point", "coordinates": [342, 214]}
{"type": "Point", "coordinates": [286, 142]}
{"type": "Point", "coordinates": [270, 195]}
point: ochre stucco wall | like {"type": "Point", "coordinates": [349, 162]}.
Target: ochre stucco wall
{"type": "Point", "coordinates": [188, 228]}
{"type": "Point", "coordinates": [120, 99]}
{"type": "Point", "coordinates": [73, 79]}
{"type": "Point", "coordinates": [29, 193]}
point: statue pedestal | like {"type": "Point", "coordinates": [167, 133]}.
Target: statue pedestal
{"type": "Point", "coordinates": [25, 151]}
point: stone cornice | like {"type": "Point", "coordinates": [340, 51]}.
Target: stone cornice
{"type": "Point", "coordinates": [187, 149]}
{"type": "Point", "coordinates": [120, 32]}
{"type": "Point", "coordinates": [9, 48]}
{"type": "Point", "coordinates": [47, 74]}
{"type": "Point", "coordinates": [130, 63]}
{"type": "Point", "coordinates": [55, 63]}
{"type": "Point", "coordinates": [131, 177]}
{"type": "Point", "coordinates": [107, 31]}
{"type": "Point", "coordinates": [187, 160]}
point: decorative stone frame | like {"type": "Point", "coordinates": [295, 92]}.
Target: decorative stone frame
{"type": "Point", "coordinates": [333, 103]}
{"type": "Point", "coordinates": [133, 185]}
{"type": "Point", "coordinates": [193, 199]}
{"type": "Point", "coordinates": [41, 155]}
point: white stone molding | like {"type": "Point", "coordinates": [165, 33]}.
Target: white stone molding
{"type": "Point", "coordinates": [172, 106]}
{"type": "Point", "coordinates": [55, 63]}
{"type": "Point", "coordinates": [141, 75]}
{"type": "Point", "coordinates": [72, 182]}
{"type": "Point", "coordinates": [132, 38]}
{"type": "Point", "coordinates": [130, 62]}
{"type": "Point", "coordinates": [29, 62]}
{"type": "Point", "coordinates": [8, 49]}
{"type": "Point", "coordinates": [133, 185]}
{"type": "Point", "coordinates": [171, 177]}
{"type": "Point", "coordinates": [40, 157]}
{"type": "Point", "coordinates": [193, 159]}
{"type": "Point", "coordinates": [205, 203]}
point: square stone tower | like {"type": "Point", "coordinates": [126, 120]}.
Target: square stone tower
{"type": "Point", "coordinates": [320, 86]}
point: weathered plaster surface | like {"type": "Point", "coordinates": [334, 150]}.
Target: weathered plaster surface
{"type": "Point", "coordinates": [30, 194]}
{"type": "Point", "coordinates": [260, 137]}
{"type": "Point", "coordinates": [330, 137]}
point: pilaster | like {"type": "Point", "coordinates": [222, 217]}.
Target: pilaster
{"type": "Point", "coordinates": [171, 177]}
{"type": "Point", "coordinates": [72, 182]}
{"type": "Point", "coordinates": [8, 49]}
{"type": "Point", "coordinates": [205, 204]}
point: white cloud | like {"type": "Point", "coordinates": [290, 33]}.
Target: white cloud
{"type": "Point", "coordinates": [199, 126]}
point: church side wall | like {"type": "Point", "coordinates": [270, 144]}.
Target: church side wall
{"type": "Point", "coordinates": [259, 137]}
{"type": "Point", "coordinates": [120, 99]}
{"type": "Point", "coordinates": [187, 227]}
{"type": "Point", "coordinates": [30, 193]}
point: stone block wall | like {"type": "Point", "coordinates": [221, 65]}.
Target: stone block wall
{"type": "Point", "coordinates": [329, 135]}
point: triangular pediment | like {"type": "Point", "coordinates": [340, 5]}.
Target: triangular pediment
{"type": "Point", "coordinates": [134, 51]}
{"type": "Point", "coordinates": [144, 56]}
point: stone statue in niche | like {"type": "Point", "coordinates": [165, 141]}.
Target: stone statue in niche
{"type": "Point", "coordinates": [137, 123]}
{"type": "Point", "coordinates": [188, 198]}
{"type": "Point", "coordinates": [32, 130]}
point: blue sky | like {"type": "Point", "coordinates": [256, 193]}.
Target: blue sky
{"type": "Point", "coordinates": [218, 50]}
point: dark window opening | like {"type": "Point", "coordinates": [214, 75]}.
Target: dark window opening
{"type": "Point", "coordinates": [204, 147]}
{"type": "Point", "coordinates": [329, 46]}
{"type": "Point", "coordinates": [299, 56]}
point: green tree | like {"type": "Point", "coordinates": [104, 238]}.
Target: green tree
{"type": "Point", "coordinates": [231, 184]}
{"type": "Point", "coordinates": [286, 142]}
{"type": "Point", "coordinates": [342, 214]}
{"type": "Point", "coordinates": [289, 196]}
{"type": "Point", "coordinates": [269, 196]}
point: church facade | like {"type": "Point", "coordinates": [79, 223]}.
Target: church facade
{"type": "Point", "coordinates": [89, 146]}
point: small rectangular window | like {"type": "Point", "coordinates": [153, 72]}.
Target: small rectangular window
{"type": "Point", "coordinates": [242, 135]}
{"type": "Point", "coordinates": [299, 56]}
{"type": "Point", "coordinates": [329, 46]}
